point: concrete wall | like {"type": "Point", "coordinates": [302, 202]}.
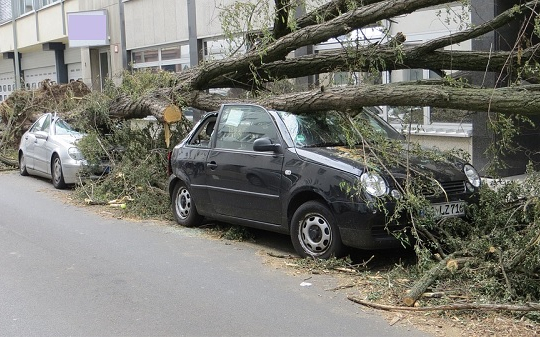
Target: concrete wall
{"type": "Point", "coordinates": [45, 25]}
{"type": "Point", "coordinates": [155, 22]}
{"type": "Point", "coordinates": [445, 143]}
{"type": "Point", "coordinates": [114, 46]}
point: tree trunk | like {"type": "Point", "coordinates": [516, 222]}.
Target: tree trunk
{"type": "Point", "coordinates": [158, 104]}
{"type": "Point", "coordinates": [503, 100]}
{"type": "Point", "coordinates": [427, 279]}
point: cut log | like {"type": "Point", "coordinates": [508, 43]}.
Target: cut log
{"type": "Point", "coordinates": [425, 281]}
{"type": "Point", "coordinates": [172, 114]}
{"type": "Point", "coordinates": [157, 103]}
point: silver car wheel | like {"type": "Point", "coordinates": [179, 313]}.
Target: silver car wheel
{"type": "Point", "coordinates": [22, 165]}
{"type": "Point", "coordinates": [56, 173]}
{"type": "Point", "coordinates": [57, 170]}
{"type": "Point", "coordinates": [183, 203]}
{"type": "Point", "coordinates": [315, 234]}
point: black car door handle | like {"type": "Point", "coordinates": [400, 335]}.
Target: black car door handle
{"type": "Point", "coordinates": [212, 165]}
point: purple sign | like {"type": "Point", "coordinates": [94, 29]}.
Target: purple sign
{"type": "Point", "coordinates": [86, 29]}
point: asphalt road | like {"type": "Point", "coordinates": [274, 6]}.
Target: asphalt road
{"type": "Point", "coordinates": [69, 271]}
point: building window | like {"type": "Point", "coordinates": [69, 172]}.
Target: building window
{"type": "Point", "coordinates": [5, 10]}
{"type": "Point", "coordinates": [170, 53]}
{"type": "Point", "coordinates": [43, 3]}
{"type": "Point", "coordinates": [423, 117]}
{"type": "Point", "coordinates": [25, 6]}
{"type": "Point", "coordinates": [173, 58]}
{"type": "Point", "coordinates": [150, 55]}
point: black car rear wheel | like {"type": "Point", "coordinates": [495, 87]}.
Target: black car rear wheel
{"type": "Point", "coordinates": [183, 207]}
{"type": "Point", "coordinates": [57, 173]}
{"type": "Point", "coordinates": [22, 165]}
{"type": "Point", "coordinates": [314, 232]}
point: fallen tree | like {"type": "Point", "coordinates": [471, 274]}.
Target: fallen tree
{"type": "Point", "coordinates": [268, 63]}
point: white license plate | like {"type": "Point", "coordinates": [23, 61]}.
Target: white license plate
{"type": "Point", "coordinates": [447, 209]}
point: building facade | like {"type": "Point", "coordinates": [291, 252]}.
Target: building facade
{"type": "Point", "coordinates": [58, 41]}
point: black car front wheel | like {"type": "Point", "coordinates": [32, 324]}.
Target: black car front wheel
{"type": "Point", "coordinates": [183, 207]}
{"type": "Point", "coordinates": [57, 173]}
{"type": "Point", "coordinates": [314, 232]}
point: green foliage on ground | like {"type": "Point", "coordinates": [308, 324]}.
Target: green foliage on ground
{"type": "Point", "coordinates": [134, 149]}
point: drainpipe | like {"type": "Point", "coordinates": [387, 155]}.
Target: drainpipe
{"type": "Point", "coordinates": [194, 44]}
{"type": "Point", "coordinates": [15, 50]}
{"type": "Point", "coordinates": [62, 6]}
{"type": "Point", "coordinates": [123, 34]}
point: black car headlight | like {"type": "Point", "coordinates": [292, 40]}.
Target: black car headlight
{"type": "Point", "coordinates": [472, 175]}
{"type": "Point", "coordinates": [373, 184]}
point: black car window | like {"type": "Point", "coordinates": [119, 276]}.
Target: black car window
{"type": "Point", "coordinates": [240, 126]}
{"type": "Point", "coordinates": [315, 129]}
{"type": "Point", "coordinates": [379, 125]}
{"type": "Point", "coordinates": [202, 137]}
{"type": "Point", "coordinates": [332, 128]}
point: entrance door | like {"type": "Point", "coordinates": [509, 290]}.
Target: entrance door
{"type": "Point", "coordinates": [103, 67]}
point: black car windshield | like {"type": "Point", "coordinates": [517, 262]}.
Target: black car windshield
{"type": "Point", "coordinates": [331, 128]}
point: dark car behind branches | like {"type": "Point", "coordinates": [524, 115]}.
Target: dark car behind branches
{"type": "Point", "coordinates": [317, 177]}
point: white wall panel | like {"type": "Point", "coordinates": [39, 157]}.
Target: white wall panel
{"type": "Point", "coordinates": [75, 71]}
{"type": "Point", "coordinates": [37, 60]}
{"type": "Point", "coordinates": [72, 55]}
{"type": "Point", "coordinates": [6, 66]}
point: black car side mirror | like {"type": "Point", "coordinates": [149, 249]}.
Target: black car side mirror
{"type": "Point", "coordinates": [265, 144]}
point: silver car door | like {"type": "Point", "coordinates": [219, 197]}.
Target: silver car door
{"type": "Point", "coordinates": [42, 147]}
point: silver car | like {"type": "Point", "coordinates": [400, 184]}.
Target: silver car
{"type": "Point", "coordinates": [48, 149]}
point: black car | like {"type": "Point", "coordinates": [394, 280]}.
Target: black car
{"type": "Point", "coordinates": [295, 174]}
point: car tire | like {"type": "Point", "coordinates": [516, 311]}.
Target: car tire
{"type": "Point", "coordinates": [22, 165]}
{"type": "Point", "coordinates": [314, 232]}
{"type": "Point", "coordinates": [183, 207]}
{"type": "Point", "coordinates": [57, 173]}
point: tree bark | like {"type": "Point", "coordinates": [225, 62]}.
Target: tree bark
{"type": "Point", "coordinates": [425, 281]}
{"type": "Point", "coordinates": [503, 100]}
{"type": "Point", "coordinates": [383, 58]}
{"type": "Point", "coordinates": [155, 104]}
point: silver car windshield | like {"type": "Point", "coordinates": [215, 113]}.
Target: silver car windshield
{"type": "Point", "coordinates": [63, 128]}
{"type": "Point", "coordinates": [331, 128]}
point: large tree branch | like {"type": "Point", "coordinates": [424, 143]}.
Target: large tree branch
{"type": "Point", "coordinates": [503, 100]}
{"type": "Point", "coordinates": [330, 11]}
{"type": "Point", "coordinates": [311, 35]}
{"type": "Point", "coordinates": [381, 58]}
{"type": "Point", "coordinates": [489, 26]}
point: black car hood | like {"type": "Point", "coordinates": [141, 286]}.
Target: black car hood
{"type": "Point", "coordinates": [345, 159]}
